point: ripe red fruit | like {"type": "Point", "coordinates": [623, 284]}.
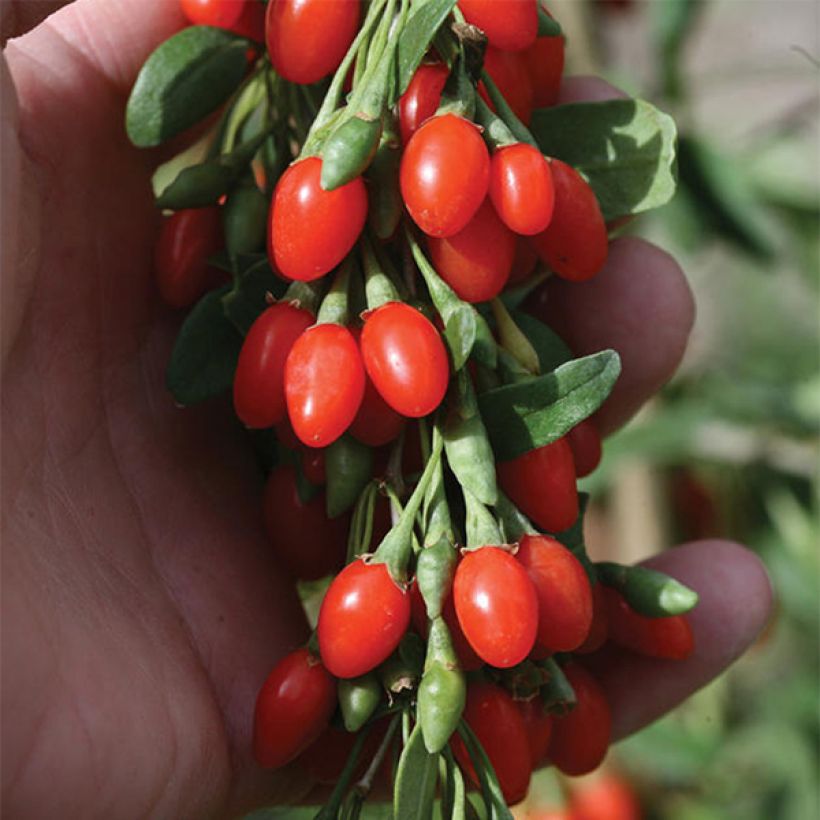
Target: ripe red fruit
{"type": "Point", "coordinates": [293, 708]}
{"type": "Point", "coordinates": [521, 188]}
{"type": "Point", "coordinates": [541, 483]}
{"type": "Point", "coordinates": [259, 381]}
{"type": "Point", "coordinates": [466, 656]}
{"type": "Point", "coordinates": [496, 606]}
{"type": "Point", "coordinates": [544, 61]}
{"type": "Point", "coordinates": [220, 13]}
{"type": "Point", "coordinates": [363, 617]}
{"type": "Point", "coordinates": [421, 99]}
{"type": "Point", "coordinates": [405, 358]}
{"type": "Point", "coordinates": [538, 724]}
{"type": "Point", "coordinates": [575, 244]}
{"type": "Point", "coordinates": [251, 23]}
{"type": "Point", "coordinates": [324, 384]}
{"type": "Point", "coordinates": [312, 230]}
{"type": "Point", "coordinates": [510, 76]}
{"type": "Point", "coordinates": [444, 174]}
{"type": "Point", "coordinates": [511, 25]}
{"type": "Point", "coordinates": [186, 239]}
{"type": "Point", "coordinates": [497, 723]}
{"type": "Point", "coordinates": [600, 628]}
{"type": "Point", "coordinates": [606, 796]}
{"type": "Point", "coordinates": [476, 261]}
{"type": "Point", "coordinates": [524, 263]}
{"type": "Point", "coordinates": [313, 465]}
{"type": "Point", "coordinates": [564, 594]}
{"type": "Point", "coordinates": [580, 738]}
{"type": "Point", "coordinates": [670, 637]}
{"type": "Point", "coordinates": [585, 442]}
{"type": "Point", "coordinates": [376, 423]}
{"type": "Point", "coordinates": [308, 543]}
{"type": "Point", "coordinates": [307, 39]}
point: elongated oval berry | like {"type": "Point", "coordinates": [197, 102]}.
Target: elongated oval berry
{"type": "Point", "coordinates": [563, 590]}
{"type": "Point", "coordinates": [311, 230]}
{"type": "Point", "coordinates": [186, 239]}
{"type": "Point", "coordinates": [259, 381]}
{"type": "Point", "coordinates": [324, 384]}
{"type": "Point", "coordinates": [544, 61]}
{"type": "Point", "coordinates": [220, 13]}
{"type": "Point", "coordinates": [496, 606]}
{"type": "Point", "coordinates": [521, 188]}
{"type": "Point", "coordinates": [293, 708]}
{"type": "Point", "coordinates": [444, 174]}
{"type": "Point", "coordinates": [509, 75]}
{"type": "Point", "coordinates": [511, 25]}
{"type": "Point", "coordinates": [580, 739]}
{"type": "Point", "coordinates": [405, 358]}
{"type": "Point", "coordinates": [497, 723]}
{"type": "Point", "coordinates": [585, 442]}
{"type": "Point", "coordinates": [421, 99]}
{"type": "Point", "coordinates": [538, 723]}
{"type": "Point", "coordinates": [307, 39]}
{"type": "Point", "coordinates": [541, 483]}
{"type": "Point", "coordinates": [668, 637]}
{"type": "Point", "coordinates": [362, 619]}
{"type": "Point", "coordinates": [308, 543]}
{"type": "Point", "coordinates": [575, 244]}
{"type": "Point", "coordinates": [599, 629]}
{"type": "Point", "coordinates": [475, 262]}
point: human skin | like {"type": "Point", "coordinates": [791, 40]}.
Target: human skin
{"type": "Point", "coordinates": [142, 606]}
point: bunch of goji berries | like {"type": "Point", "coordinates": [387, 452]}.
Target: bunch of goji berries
{"type": "Point", "coordinates": [422, 435]}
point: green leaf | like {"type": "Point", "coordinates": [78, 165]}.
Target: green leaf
{"type": "Point", "coordinates": [204, 358]}
{"type": "Point", "coordinates": [182, 81]}
{"type": "Point", "coordinates": [349, 467]}
{"type": "Point", "coordinates": [527, 415]}
{"type": "Point", "coordinates": [248, 297]}
{"type": "Point", "coordinates": [425, 19]}
{"type": "Point", "coordinates": [551, 349]}
{"type": "Point", "coordinates": [625, 149]}
{"type": "Point", "coordinates": [415, 780]}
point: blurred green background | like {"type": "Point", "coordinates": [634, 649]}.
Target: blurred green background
{"type": "Point", "coordinates": [730, 447]}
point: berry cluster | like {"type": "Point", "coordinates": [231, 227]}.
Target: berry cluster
{"type": "Point", "coordinates": [422, 433]}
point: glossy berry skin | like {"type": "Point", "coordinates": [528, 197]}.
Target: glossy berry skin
{"type": "Point", "coordinates": [186, 239]}
{"type": "Point", "coordinates": [541, 483]}
{"type": "Point", "coordinates": [444, 174]}
{"type": "Point", "coordinates": [251, 23]}
{"type": "Point", "coordinates": [563, 590]}
{"type": "Point", "coordinates": [575, 245]}
{"type": "Point", "coordinates": [219, 13]}
{"type": "Point", "coordinates": [511, 25]}
{"type": "Point", "coordinates": [405, 358]}
{"type": "Point", "coordinates": [311, 230]}
{"type": "Point", "coordinates": [580, 738]}
{"type": "Point", "coordinates": [476, 262]}
{"type": "Point", "coordinates": [496, 606]}
{"type": "Point", "coordinates": [376, 423]}
{"type": "Point", "coordinates": [544, 61]}
{"type": "Point", "coordinates": [510, 76]}
{"type": "Point", "coordinates": [259, 381]}
{"type": "Point", "coordinates": [421, 99]}
{"type": "Point", "coordinates": [496, 721]}
{"type": "Point", "coordinates": [599, 630]}
{"type": "Point", "coordinates": [307, 39]}
{"type": "Point", "coordinates": [585, 442]}
{"type": "Point", "coordinates": [293, 708]}
{"type": "Point", "coordinates": [670, 637]}
{"type": "Point", "coordinates": [538, 723]}
{"type": "Point", "coordinates": [324, 384]}
{"type": "Point", "coordinates": [308, 543]}
{"type": "Point", "coordinates": [521, 188]}
{"type": "Point", "coordinates": [363, 617]}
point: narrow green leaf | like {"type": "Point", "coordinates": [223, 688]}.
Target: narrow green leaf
{"type": "Point", "coordinates": [491, 790]}
{"type": "Point", "coordinates": [204, 358]}
{"type": "Point", "coordinates": [527, 415]}
{"type": "Point", "coordinates": [425, 19]}
{"type": "Point", "coordinates": [182, 81]}
{"type": "Point", "coordinates": [625, 149]}
{"type": "Point", "coordinates": [460, 334]}
{"type": "Point", "coordinates": [248, 297]}
{"type": "Point", "coordinates": [415, 780]}
{"type": "Point", "coordinates": [551, 349]}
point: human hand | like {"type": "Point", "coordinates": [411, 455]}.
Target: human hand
{"type": "Point", "coordinates": [142, 604]}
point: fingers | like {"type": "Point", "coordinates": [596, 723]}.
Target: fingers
{"type": "Point", "coordinates": [640, 304]}
{"type": "Point", "coordinates": [735, 604]}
